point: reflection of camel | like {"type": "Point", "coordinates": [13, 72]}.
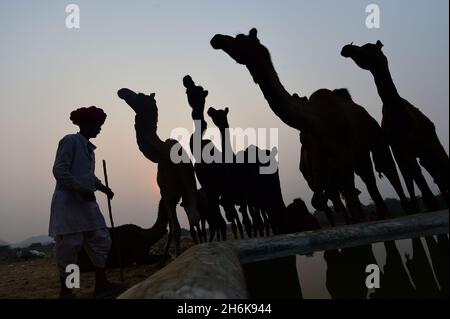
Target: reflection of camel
{"type": "Point", "coordinates": [274, 279]}
{"type": "Point", "coordinates": [394, 282]}
{"type": "Point", "coordinates": [346, 272]}
{"type": "Point", "coordinates": [439, 257]}
{"type": "Point", "coordinates": [327, 131]}
{"type": "Point", "coordinates": [421, 271]}
{"type": "Point", "coordinates": [210, 175]}
{"type": "Point", "coordinates": [175, 181]}
{"type": "Point", "coordinates": [411, 134]}
{"type": "Point", "coordinates": [135, 243]}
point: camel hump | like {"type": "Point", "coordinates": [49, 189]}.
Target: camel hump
{"type": "Point", "coordinates": [343, 93]}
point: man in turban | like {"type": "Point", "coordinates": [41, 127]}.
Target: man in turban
{"type": "Point", "coordinates": [75, 220]}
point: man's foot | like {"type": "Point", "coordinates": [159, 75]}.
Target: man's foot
{"type": "Point", "coordinates": [109, 290]}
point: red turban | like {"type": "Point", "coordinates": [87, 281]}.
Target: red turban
{"type": "Point", "coordinates": [88, 115]}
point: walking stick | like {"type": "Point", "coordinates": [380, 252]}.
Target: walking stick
{"type": "Point", "coordinates": [113, 234]}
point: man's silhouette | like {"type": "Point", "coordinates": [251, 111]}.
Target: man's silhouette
{"type": "Point", "coordinates": [76, 220]}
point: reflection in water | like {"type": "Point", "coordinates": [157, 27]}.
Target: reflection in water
{"type": "Point", "coordinates": [421, 272]}
{"type": "Point", "coordinates": [407, 272]}
{"type": "Point", "coordinates": [439, 258]}
{"type": "Point", "coordinates": [275, 278]}
{"type": "Point", "coordinates": [394, 281]}
{"type": "Point", "coordinates": [346, 271]}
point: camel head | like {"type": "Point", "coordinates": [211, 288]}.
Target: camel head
{"type": "Point", "coordinates": [219, 117]}
{"type": "Point", "coordinates": [196, 94]}
{"type": "Point", "coordinates": [144, 105]}
{"type": "Point", "coordinates": [368, 57]}
{"type": "Point", "coordinates": [244, 49]}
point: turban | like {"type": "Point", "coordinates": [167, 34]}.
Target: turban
{"type": "Point", "coordinates": [88, 115]}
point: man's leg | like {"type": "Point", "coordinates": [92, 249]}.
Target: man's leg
{"type": "Point", "coordinates": [66, 252]}
{"type": "Point", "coordinates": [97, 244]}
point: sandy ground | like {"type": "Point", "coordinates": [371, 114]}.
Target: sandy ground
{"type": "Point", "coordinates": [38, 279]}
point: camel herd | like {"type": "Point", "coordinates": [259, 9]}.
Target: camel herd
{"type": "Point", "coordinates": [338, 140]}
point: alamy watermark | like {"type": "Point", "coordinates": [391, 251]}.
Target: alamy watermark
{"type": "Point", "coordinates": [373, 279]}
{"type": "Point", "coordinates": [261, 145]}
{"type": "Point", "coordinates": [73, 17]}
{"type": "Point", "coordinates": [73, 277]}
{"type": "Point", "coordinates": [373, 19]}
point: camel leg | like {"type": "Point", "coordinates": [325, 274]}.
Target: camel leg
{"type": "Point", "coordinates": [203, 231]}
{"type": "Point", "coordinates": [409, 182]}
{"type": "Point", "coordinates": [386, 165]}
{"type": "Point", "coordinates": [365, 171]}
{"type": "Point", "coordinates": [350, 194]}
{"type": "Point", "coordinates": [236, 222]}
{"type": "Point", "coordinates": [266, 221]}
{"type": "Point", "coordinates": [239, 226]}
{"type": "Point", "coordinates": [339, 206]}
{"type": "Point", "coordinates": [437, 166]}
{"type": "Point", "coordinates": [222, 226]}
{"type": "Point", "coordinates": [257, 221]}
{"type": "Point", "coordinates": [246, 220]}
{"type": "Point", "coordinates": [411, 170]}
{"type": "Point", "coordinates": [230, 214]}
{"type": "Point", "coordinates": [174, 225]}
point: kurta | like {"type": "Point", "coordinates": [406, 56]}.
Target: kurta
{"type": "Point", "coordinates": [74, 172]}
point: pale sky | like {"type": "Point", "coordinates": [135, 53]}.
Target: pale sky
{"type": "Point", "coordinates": [48, 70]}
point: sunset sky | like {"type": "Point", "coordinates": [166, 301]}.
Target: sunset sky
{"type": "Point", "coordinates": [47, 70]}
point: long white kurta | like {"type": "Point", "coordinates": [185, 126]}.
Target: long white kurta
{"type": "Point", "coordinates": [74, 171]}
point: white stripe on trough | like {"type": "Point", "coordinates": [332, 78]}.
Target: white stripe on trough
{"type": "Point", "coordinates": [214, 270]}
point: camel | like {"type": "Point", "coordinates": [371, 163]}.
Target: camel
{"type": "Point", "coordinates": [410, 133]}
{"type": "Point", "coordinates": [210, 175]}
{"type": "Point", "coordinates": [297, 218]}
{"type": "Point", "coordinates": [247, 187]}
{"type": "Point", "coordinates": [175, 180]}
{"type": "Point", "coordinates": [132, 241]}
{"type": "Point", "coordinates": [328, 122]}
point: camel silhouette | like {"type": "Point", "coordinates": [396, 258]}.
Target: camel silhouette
{"type": "Point", "coordinates": [134, 244]}
{"type": "Point", "coordinates": [409, 132]}
{"type": "Point", "coordinates": [394, 281]}
{"type": "Point", "coordinates": [421, 271]}
{"type": "Point", "coordinates": [440, 258]}
{"type": "Point", "coordinates": [328, 123]}
{"type": "Point", "coordinates": [346, 271]}
{"type": "Point", "coordinates": [209, 174]}
{"type": "Point", "coordinates": [246, 186]}
{"type": "Point", "coordinates": [175, 180]}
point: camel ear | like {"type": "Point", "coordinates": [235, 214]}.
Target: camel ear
{"type": "Point", "coordinates": [379, 44]}
{"type": "Point", "coordinates": [152, 95]}
{"type": "Point", "coordinates": [253, 34]}
{"type": "Point", "coordinates": [206, 93]}
{"type": "Point", "coordinates": [226, 110]}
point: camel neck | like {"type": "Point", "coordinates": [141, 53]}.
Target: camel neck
{"type": "Point", "coordinates": [280, 101]}
{"type": "Point", "coordinates": [385, 85]}
{"type": "Point", "coordinates": [149, 142]}
{"type": "Point", "coordinates": [227, 150]}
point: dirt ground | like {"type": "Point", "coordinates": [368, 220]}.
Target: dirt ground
{"type": "Point", "coordinates": [39, 278]}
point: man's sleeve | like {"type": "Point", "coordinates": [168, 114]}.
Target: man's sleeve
{"type": "Point", "coordinates": [98, 183]}
{"type": "Point", "coordinates": [63, 162]}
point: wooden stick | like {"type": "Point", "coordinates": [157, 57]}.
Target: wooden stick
{"type": "Point", "coordinates": [113, 234]}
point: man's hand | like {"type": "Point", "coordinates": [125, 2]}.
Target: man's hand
{"type": "Point", "coordinates": [106, 190]}
{"type": "Point", "coordinates": [109, 192]}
